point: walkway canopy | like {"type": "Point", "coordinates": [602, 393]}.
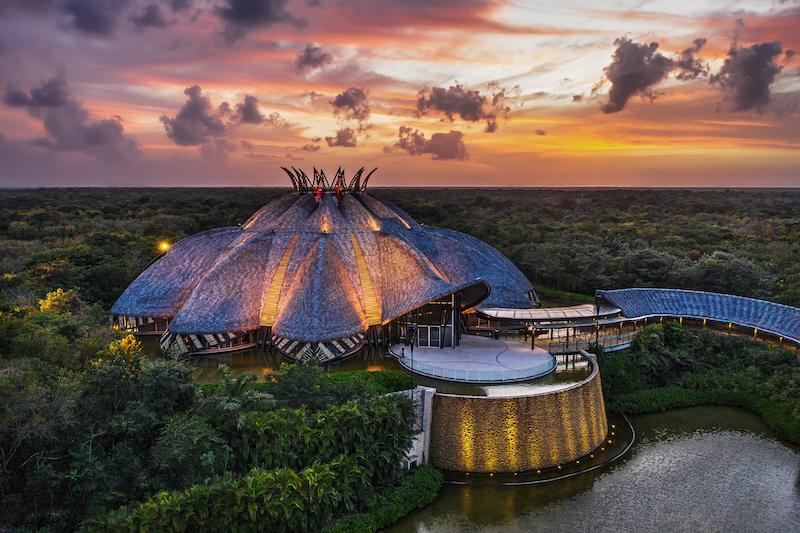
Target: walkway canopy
{"type": "Point", "coordinates": [769, 317]}
{"type": "Point", "coordinates": [546, 314]}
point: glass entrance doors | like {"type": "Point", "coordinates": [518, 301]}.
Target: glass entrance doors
{"type": "Point", "coordinates": [429, 336]}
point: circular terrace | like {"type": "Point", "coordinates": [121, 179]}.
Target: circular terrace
{"type": "Point", "coordinates": [478, 360]}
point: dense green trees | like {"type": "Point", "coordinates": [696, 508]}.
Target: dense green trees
{"type": "Point", "coordinates": [669, 366]}
{"type": "Point", "coordinates": [740, 242]}
{"type": "Point", "coordinates": [87, 423]}
{"type": "Point", "coordinates": [95, 241]}
{"type": "Point", "coordinates": [291, 469]}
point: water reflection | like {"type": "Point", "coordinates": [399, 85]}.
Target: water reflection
{"type": "Point", "coordinates": [261, 364]}
{"type": "Point", "coordinates": [708, 468]}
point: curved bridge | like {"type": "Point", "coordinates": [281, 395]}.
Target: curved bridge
{"type": "Point", "coordinates": [779, 320]}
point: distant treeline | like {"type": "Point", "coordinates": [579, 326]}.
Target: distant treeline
{"type": "Point", "coordinates": [743, 242]}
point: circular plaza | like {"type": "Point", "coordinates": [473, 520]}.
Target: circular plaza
{"type": "Point", "coordinates": [478, 359]}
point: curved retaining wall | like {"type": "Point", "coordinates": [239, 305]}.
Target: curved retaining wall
{"type": "Point", "coordinates": [518, 433]}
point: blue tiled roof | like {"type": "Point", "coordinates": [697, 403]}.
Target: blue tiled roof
{"type": "Point", "coordinates": [770, 317]}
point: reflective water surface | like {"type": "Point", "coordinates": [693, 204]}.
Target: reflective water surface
{"type": "Point", "coordinates": [261, 364]}
{"type": "Point", "coordinates": [698, 469]}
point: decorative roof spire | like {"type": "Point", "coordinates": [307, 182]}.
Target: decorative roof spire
{"type": "Point", "coordinates": [302, 183]}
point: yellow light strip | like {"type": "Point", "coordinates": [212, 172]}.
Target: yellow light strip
{"type": "Point", "coordinates": [367, 290]}
{"type": "Point", "coordinates": [269, 306]}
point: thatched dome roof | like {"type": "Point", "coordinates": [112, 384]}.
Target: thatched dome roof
{"type": "Point", "coordinates": [316, 266]}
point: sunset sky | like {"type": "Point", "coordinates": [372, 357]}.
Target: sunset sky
{"type": "Point", "coordinates": [434, 93]}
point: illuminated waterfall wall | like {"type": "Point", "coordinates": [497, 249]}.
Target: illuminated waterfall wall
{"type": "Point", "coordinates": [514, 434]}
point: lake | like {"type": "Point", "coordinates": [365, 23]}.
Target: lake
{"type": "Point", "coordinates": [704, 468]}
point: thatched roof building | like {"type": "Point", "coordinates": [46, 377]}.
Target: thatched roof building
{"type": "Point", "coordinates": [316, 267]}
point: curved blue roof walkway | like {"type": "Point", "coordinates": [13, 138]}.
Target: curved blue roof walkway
{"type": "Point", "coordinates": [768, 317]}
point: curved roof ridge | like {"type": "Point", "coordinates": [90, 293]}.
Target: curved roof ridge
{"type": "Point", "coordinates": [165, 285]}
{"type": "Point", "coordinates": [404, 275]}
{"type": "Point", "coordinates": [381, 210]}
{"type": "Point", "coordinates": [405, 217]}
{"type": "Point", "coordinates": [312, 311]}
{"type": "Point", "coordinates": [295, 215]}
{"type": "Point", "coordinates": [224, 299]}
{"type": "Point", "coordinates": [357, 214]}
{"type": "Point", "coordinates": [269, 212]}
{"type": "Point", "coordinates": [327, 217]}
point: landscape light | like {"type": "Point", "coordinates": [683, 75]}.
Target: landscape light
{"type": "Point", "coordinates": [164, 246]}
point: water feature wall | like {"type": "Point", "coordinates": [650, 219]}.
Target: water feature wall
{"type": "Point", "coordinates": [518, 433]}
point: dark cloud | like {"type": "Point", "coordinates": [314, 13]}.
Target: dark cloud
{"type": "Point", "coordinates": [313, 56]}
{"type": "Point", "coordinates": [100, 17]}
{"type": "Point", "coordinates": [748, 73]}
{"type": "Point", "coordinates": [95, 17]}
{"type": "Point", "coordinates": [541, 132]}
{"type": "Point", "coordinates": [440, 145]}
{"type": "Point", "coordinates": [345, 138]}
{"type": "Point", "coordinates": [635, 69]}
{"type": "Point", "coordinates": [50, 93]}
{"type": "Point", "coordinates": [151, 17]}
{"type": "Point", "coordinates": [275, 119]}
{"type": "Point", "coordinates": [689, 66]}
{"type": "Point", "coordinates": [197, 121]}
{"type": "Point", "coordinates": [68, 126]}
{"type": "Point", "coordinates": [577, 97]}
{"type": "Point", "coordinates": [30, 6]}
{"type": "Point", "coordinates": [243, 16]}
{"type": "Point", "coordinates": [352, 104]}
{"type": "Point", "coordinates": [310, 147]}
{"type": "Point", "coordinates": [469, 104]}
{"type": "Point", "coordinates": [248, 113]}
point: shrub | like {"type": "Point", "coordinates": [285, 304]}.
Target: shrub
{"type": "Point", "coordinates": [303, 385]}
{"type": "Point", "coordinates": [776, 414]}
{"type": "Point", "coordinates": [265, 500]}
{"type": "Point", "coordinates": [689, 367]}
{"type": "Point", "coordinates": [416, 491]}
{"type": "Point", "coordinates": [306, 385]}
{"type": "Point", "coordinates": [620, 374]}
{"type": "Point", "coordinates": [379, 427]}
{"type": "Point", "coordinates": [189, 451]}
{"type": "Point", "coordinates": [380, 382]}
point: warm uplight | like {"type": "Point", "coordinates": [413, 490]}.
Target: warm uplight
{"type": "Point", "coordinates": [164, 245]}
{"type": "Point", "coordinates": [325, 228]}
